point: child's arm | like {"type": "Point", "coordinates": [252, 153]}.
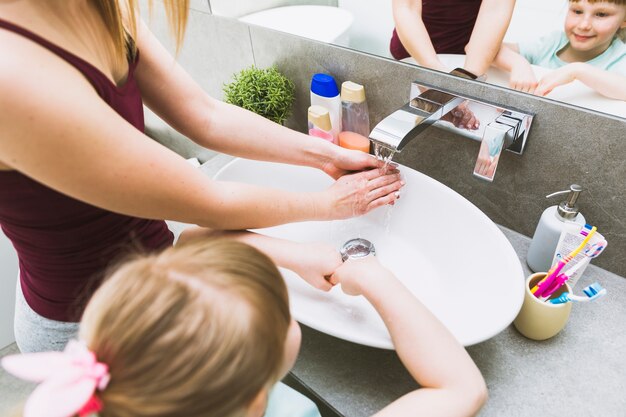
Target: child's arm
{"type": "Point", "coordinates": [451, 383]}
{"type": "Point", "coordinates": [491, 25]}
{"type": "Point", "coordinates": [607, 83]}
{"type": "Point", "coordinates": [522, 76]}
{"type": "Point", "coordinates": [313, 262]}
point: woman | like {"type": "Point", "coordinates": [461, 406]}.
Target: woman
{"type": "Point", "coordinates": [79, 180]}
{"type": "Point", "coordinates": [425, 28]}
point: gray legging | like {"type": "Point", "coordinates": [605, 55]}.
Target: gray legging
{"type": "Point", "coordinates": [34, 333]}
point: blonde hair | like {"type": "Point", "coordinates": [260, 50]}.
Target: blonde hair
{"type": "Point", "coordinates": [197, 330]}
{"type": "Point", "coordinates": [120, 18]}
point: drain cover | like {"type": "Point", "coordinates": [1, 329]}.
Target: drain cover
{"type": "Point", "coordinates": [357, 248]}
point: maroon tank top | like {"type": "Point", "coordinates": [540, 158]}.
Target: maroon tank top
{"type": "Point", "coordinates": [449, 24]}
{"type": "Point", "coordinates": [64, 245]}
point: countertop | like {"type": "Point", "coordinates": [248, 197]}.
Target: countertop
{"type": "Point", "coordinates": [579, 372]}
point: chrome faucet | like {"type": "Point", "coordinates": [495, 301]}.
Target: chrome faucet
{"type": "Point", "coordinates": [500, 128]}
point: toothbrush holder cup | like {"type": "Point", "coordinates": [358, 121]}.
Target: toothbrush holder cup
{"type": "Point", "coordinates": [540, 320]}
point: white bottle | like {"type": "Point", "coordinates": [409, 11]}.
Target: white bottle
{"type": "Point", "coordinates": [324, 92]}
{"type": "Point", "coordinates": [551, 224]}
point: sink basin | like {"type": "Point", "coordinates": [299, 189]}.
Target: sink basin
{"type": "Point", "coordinates": [321, 23]}
{"type": "Point", "coordinates": [443, 248]}
{"type": "Point", "coordinates": [575, 93]}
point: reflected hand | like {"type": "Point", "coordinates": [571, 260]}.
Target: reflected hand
{"type": "Point", "coordinates": [462, 117]}
{"type": "Point", "coordinates": [356, 194]}
{"type": "Point", "coordinates": [558, 77]}
{"type": "Point", "coordinates": [486, 164]}
{"type": "Point", "coordinates": [315, 263]}
{"type": "Point", "coordinates": [523, 78]}
{"type": "Point", "coordinates": [355, 275]}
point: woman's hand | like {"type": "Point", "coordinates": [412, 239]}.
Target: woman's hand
{"type": "Point", "coordinates": [345, 161]}
{"type": "Point", "coordinates": [315, 263]}
{"type": "Point", "coordinates": [356, 194]}
{"type": "Point", "coordinates": [462, 117]}
{"type": "Point", "coordinates": [357, 275]}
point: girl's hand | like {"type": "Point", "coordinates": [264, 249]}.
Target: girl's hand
{"type": "Point", "coordinates": [357, 275]}
{"type": "Point", "coordinates": [560, 76]}
{"type": "Point", "coordinates": [523, 78]}
{"type": "Point", "coordinates": [356, 194]}
{"type": "Point", "coordinates": [315, 263]}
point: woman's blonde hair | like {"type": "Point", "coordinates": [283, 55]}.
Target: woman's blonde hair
{"type": "Point", "coordinates": [197, 330]}
{"type": "Point", "coordinates": [120, 18]}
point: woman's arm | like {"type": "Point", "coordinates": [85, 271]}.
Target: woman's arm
{"type": "Point", "coordinates": [55, 129]}
{"type": "Point", "coordinates": [451, 384]}
{"type": "Point", "coordinates": [607, 83]}
{"type": "Point", "coordinates": [173, 95]}
{"type": "Point", "coordinates": [491, 25]}
{"type": "Point", "coordinates": [407, 15]}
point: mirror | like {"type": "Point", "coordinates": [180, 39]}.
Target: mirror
{"type": "Point", "coordinates": [367, 25]}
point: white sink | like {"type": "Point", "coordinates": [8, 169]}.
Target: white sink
{"type": "Point", "coordinates": [575, 93]}
{"type": "Point", "coordinates": [443, 248]}
{"type": "Point", "coordinates": [321, 23]}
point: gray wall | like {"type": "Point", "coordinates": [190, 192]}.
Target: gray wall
{"type": "Point", "coordinates": [566, 145]}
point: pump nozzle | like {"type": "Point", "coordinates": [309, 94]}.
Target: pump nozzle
{"type": "Point", "coordinates": [568, 209]}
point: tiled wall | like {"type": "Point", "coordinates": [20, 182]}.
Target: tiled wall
{"type": "Point", "coordinates": [567, 144]}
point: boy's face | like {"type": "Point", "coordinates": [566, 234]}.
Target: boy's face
{"type": "Point", "coordinates": [590, 27]}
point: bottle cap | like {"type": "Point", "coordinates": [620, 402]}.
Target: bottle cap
{"type": "Point", "coordinates": [324, 85]}
{"type": "Point", "coordinates": [319, 116]}
{"type": "Point", "coordinates": [352, 92]}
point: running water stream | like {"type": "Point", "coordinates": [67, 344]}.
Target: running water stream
{"type": "Point", "coordinates": [386, 155]}
{"type": "Point", "coordinates": [365, 227]}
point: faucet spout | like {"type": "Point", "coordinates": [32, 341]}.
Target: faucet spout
{"type": "Point", "coordinates": [409, 121]}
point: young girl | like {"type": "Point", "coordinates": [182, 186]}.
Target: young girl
{"type": "Point", "coordinates": [203, 329]}
{"type": "Point", "coordinates": [589, 49]}
{"type": "Point", "coordinates": [80, 182]}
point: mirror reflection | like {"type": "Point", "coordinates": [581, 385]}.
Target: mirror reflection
{"type": "Point", "coordinates": [566, 50]}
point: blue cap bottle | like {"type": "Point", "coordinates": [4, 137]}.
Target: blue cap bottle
{"type": "Point", "coordinates": [324, 85]}
{"type": "Point", "coordinates": [324, 92]}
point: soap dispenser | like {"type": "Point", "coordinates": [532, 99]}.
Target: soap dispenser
{"type": "Point", "coordinates": [552, 222]}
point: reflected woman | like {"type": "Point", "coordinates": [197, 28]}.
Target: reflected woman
{"type": "Point", "coordinates": [472, 27]}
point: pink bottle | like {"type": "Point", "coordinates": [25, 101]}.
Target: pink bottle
{"type": "Point", "coordinates": [319, 123]}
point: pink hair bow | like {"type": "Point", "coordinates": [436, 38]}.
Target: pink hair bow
{"type": "Point", "coordinates": [68, 379]}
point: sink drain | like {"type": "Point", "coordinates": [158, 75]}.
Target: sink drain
{"type": "Point", "coordinates": [357, 248]}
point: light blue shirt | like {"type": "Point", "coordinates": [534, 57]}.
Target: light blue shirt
{"type": "Point", "coordinates": [286, 402]}
{"type": "Point", "coordinates": [543, 52]}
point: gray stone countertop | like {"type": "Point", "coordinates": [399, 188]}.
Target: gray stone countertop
{"type": "Point", "coordinates": [579, 372]}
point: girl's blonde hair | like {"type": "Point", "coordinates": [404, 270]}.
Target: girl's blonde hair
{"type": "Point", "coordinates": [120, 18]}
{"type": "Point", "coordinates": [197, 330]}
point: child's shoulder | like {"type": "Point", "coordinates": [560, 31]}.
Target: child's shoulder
{"type": "Point", "coordinates": [542, 48]}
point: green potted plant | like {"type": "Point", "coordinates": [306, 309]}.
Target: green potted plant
{"type": "Point", "coordinates": [266, 92]}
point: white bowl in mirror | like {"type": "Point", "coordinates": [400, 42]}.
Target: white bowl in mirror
{"type": "Point", "coordinates": [575, 93]}
{"type": "Point", "coordinates": [321, 23]}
